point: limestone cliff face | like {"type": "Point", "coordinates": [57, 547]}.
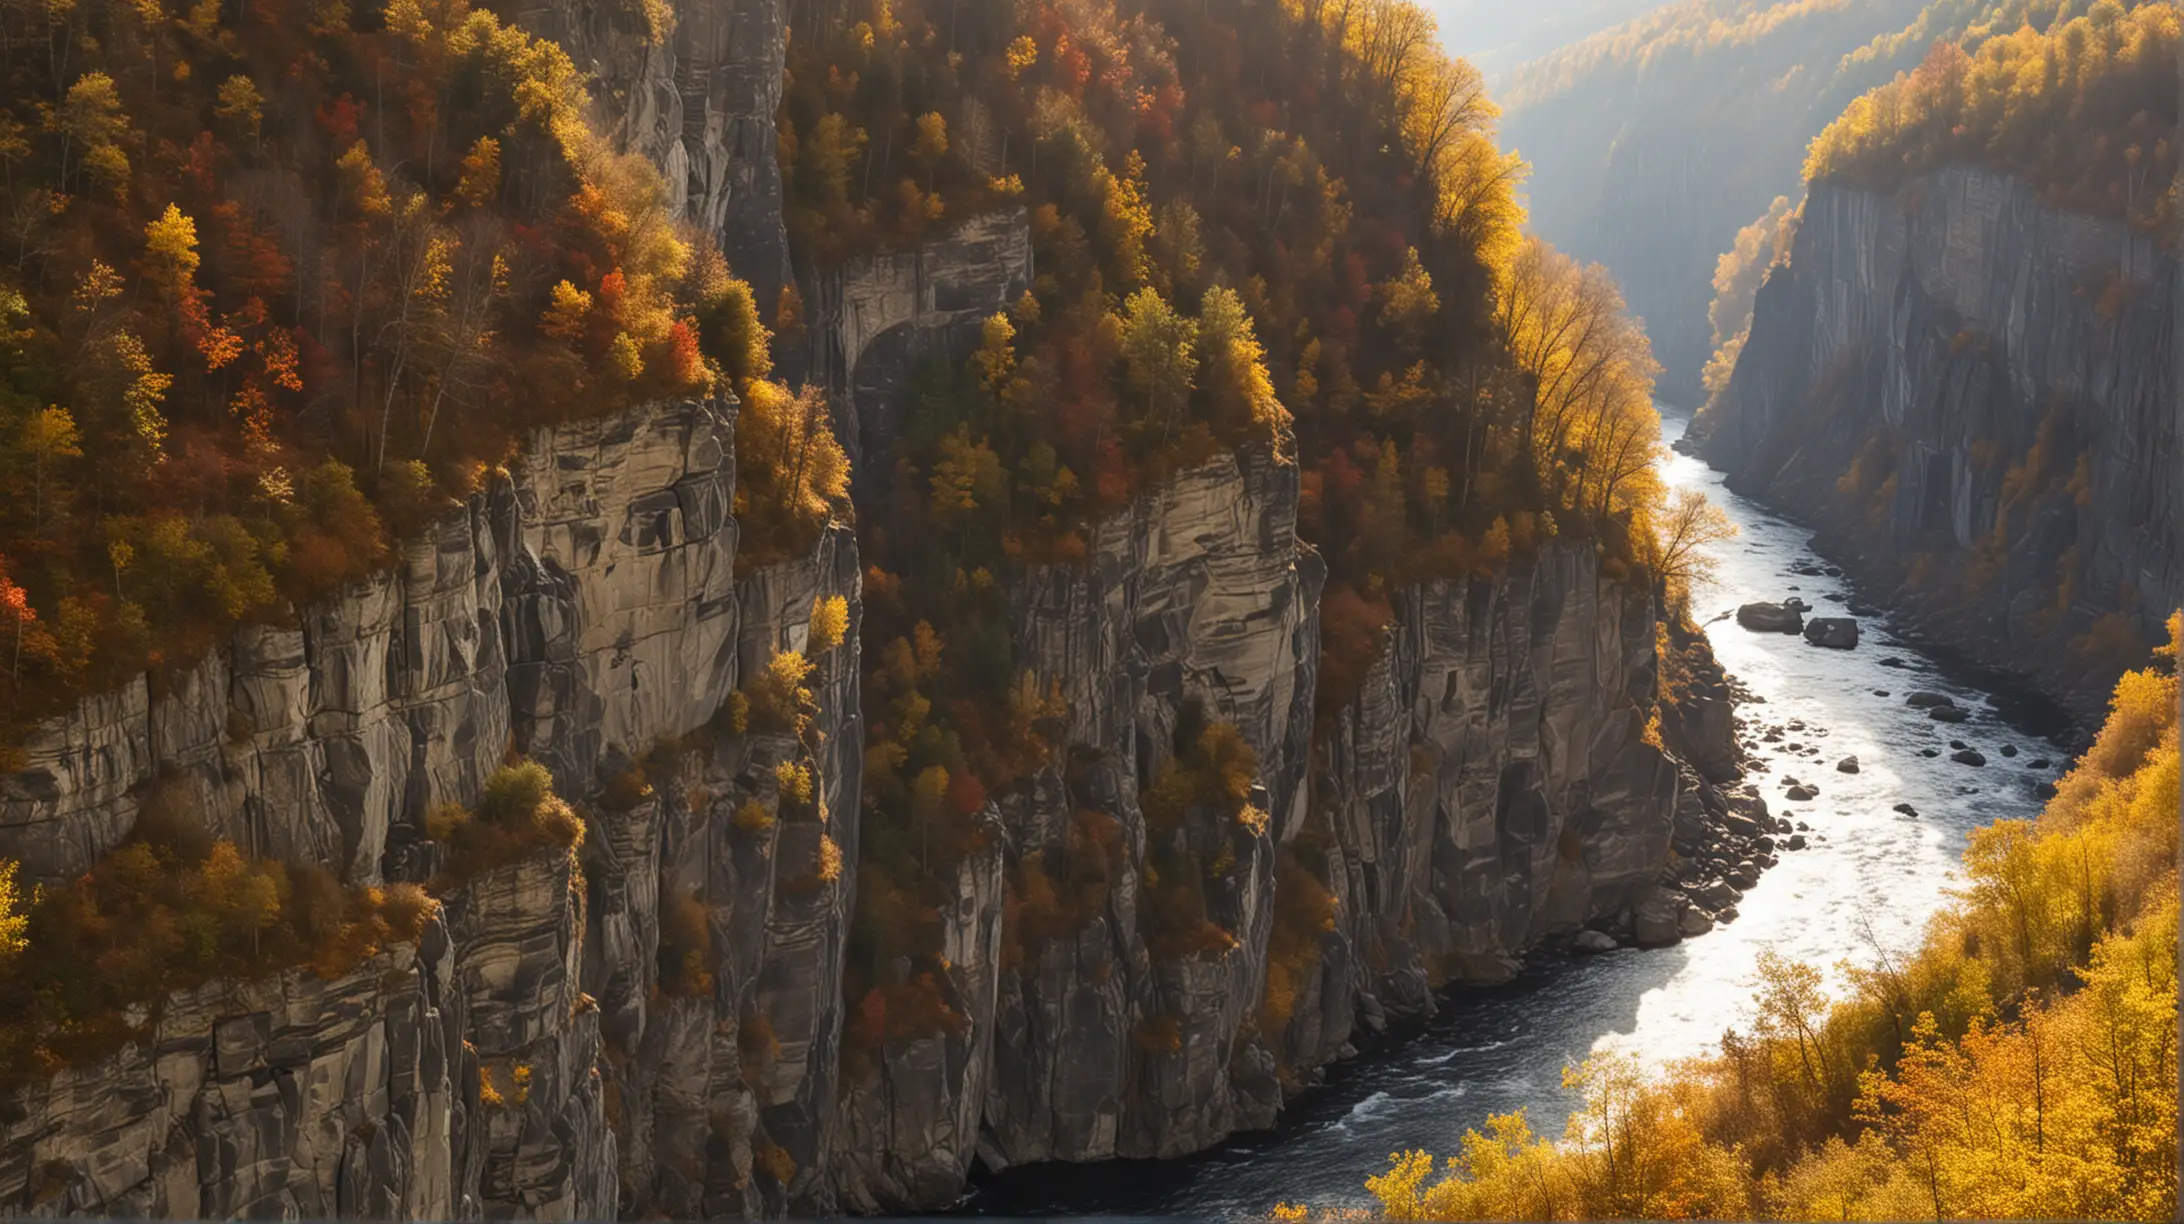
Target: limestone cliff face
{"type": "Point", "coordinates": [1490, 786]}
{"type": "Point", "coordinates": [1975, 397]}
{"type": "Point", "coordinates": [522, 1060]}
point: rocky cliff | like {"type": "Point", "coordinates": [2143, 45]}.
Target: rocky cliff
{"type": "Point", "coordinates": [1491, 785]}
{"type": "Point", "coordinates": [1974, 397]}
{"type": "Point", "coordinates": [523, 1057]}
{"type": "Point", "coordinates": [654, 1023]}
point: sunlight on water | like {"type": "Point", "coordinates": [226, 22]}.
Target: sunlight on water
{"type": "Point", "coordinates": [1878, 875]}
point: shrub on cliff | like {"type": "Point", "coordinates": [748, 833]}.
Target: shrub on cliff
{"type": "Point", "coordinates": [89, 964]}
{"type": "Point", "coordinates": [517, 816]}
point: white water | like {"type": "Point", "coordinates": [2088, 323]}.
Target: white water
{"type": "Point", "coordinates": [1869, 870]}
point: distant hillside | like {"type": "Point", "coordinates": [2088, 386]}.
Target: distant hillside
{"type": "Point", "coordinates": [1500, 38]}
{"type": "Point", "coordinates": [1654, 142]}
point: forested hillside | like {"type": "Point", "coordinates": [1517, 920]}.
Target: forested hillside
{"type": "Point", "coordinates": [280, 283]}
{"type": "Point", "coordinates": [1321, 262]}
{"type": "Point", "coordinates": [2084, 113]}
{"type": "Point", "coordinates": [1655, 142]}
{"type": "Point", "coordinates": [2021, 1063]}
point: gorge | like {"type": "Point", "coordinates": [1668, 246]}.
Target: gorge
{"type": "Point", "coordinates": [961, 770]}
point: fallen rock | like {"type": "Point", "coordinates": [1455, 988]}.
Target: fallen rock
{"type": "Point", "coordinates": [1801, 794]}
{"type": "Point", "coordinates": [1796, 842]}
{"type": "Point", "coordinates": [1658, 921]}
{"type": "Point", "coordinates": [2009, 750]}
{"type": "Point", "coordinates": [1833, 632]}
{"type": "Point", "coordinates": [1848, 764]}
{"type": "Point", "coordinates": [1726, 915]}
{"type": "Point", "coordinates": [1594, 941]}
{"type": "Point", "coordinates": [1921, 700]}
{"type": "Point", "coordinates": [1907, 809]}
{"type": "Point", "coordinates": [1968, 756]}
{"type": "Point", "coordinates": [1715, 894]}
{"type": "Point", "coordinates": [1947, 714]}
{"type": "Point", "coordinates": [1771, 617]}
{"type": "Point", "coordinates": [1741, 824]}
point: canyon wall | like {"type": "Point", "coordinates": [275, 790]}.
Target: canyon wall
{"type": "Point", "coordinates": [654, 1023]}
{"type": "Point", "coordinates": [1974, 397]}
{"type": "Point", "coordinates": [584, 612]}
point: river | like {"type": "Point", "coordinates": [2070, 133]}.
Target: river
{"type": "Point", "coordinates": [1871, 873]}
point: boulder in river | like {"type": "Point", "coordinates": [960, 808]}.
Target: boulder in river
{"type": "Point", "coordinates": [1796, 842]}
{"type": "Point", "coordinates": [1848, 764]}
{"type": "Point", "coordinates": [1948, 714]}
{"type": "Point", "coordinates": [2046, 790]}
{"type": "Point", "coordinates": [1834, 632]}
{"type": "Point", "coordinates": [1929, 752]}
{"type": "Point", "coordinates": [1772, 617]}
{"type": "Point", "coordinates": [1694, 922]}
{"type": "Point", "coordinates": [1907, 809]}
{"type": "Point", "coordinates": [1968, 756]}
{"type": "Point", "coordinates": [2009, 750]}
{"type": "Point", "coordinates": [1893, 661]}
{"type": "Point", "coordinates": [1594, 941]}
{"type": "Point", "coordinates": [1801, 794]}
{"type": "Point", "coordinates": [1920, 699]}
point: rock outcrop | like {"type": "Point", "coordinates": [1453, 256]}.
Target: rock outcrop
{"type": "Point", "coordinates": [1973, 397]}
{"type": "Point", "coordinates": [873, 319]}
{"type": "Point", "coordinates": [1490, 785]}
